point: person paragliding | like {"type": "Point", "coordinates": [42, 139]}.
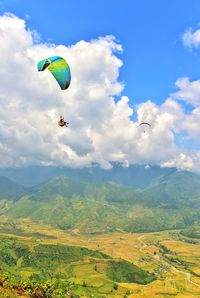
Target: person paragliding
{"type": "Point", "coordinates": [59, 68]}
{"type": "Point", "coordinates": [62, 122]}
{"type": "Point", "coordinates": [146, 124]}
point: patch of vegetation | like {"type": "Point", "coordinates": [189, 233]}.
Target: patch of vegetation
{"type": "Point", "coordinates": [35, 288]}
{"type": "Point", "coordinates": [123, 271]}
{"type": "Point", "coordinates": [69, 252]}
{"type": "Point", "coordinates": [191, 233]}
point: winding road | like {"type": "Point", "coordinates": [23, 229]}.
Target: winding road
{"type": "Point", "coordinates": [187, 274]}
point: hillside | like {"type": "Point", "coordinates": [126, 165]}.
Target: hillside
{"type": "Point", "coordinates": [59, 185]}
{"type": "Point", "coordinates": [10, 189]}
{"type": "Point", "coordinates": [57, 264]}
{"type": "Point", "coordinates": [50, 270]}
{"type": "Point", "coordinates": [174, 202]}
{"type": "Point", "coordinates": [174, 190]}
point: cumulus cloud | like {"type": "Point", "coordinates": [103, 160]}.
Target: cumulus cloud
{"type": "Point", "coordinates": [191, 39]}
{"type": "Point", "coordinates": [101, 128]}
{"type": "Point", "coordinates": [189, 91]}
{"type": "Point", "coordinates": [31, 103]}
{"type": "Point", "coordinates": [185, 161]}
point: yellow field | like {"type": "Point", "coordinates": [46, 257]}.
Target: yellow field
{"type": "Point", "coordinates": [173, 280]}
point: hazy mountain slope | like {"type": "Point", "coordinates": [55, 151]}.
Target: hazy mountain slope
{"type": "Point", "coordinates": [10, 189]}
{"type": "Point", "coordinates": [60, 185]}
{"type": "Point", "coordinates": [175, 190]}
{"type": "Point", "coordinates": [136, 176]}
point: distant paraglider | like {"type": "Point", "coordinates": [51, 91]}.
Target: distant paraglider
{"type": "Point", "coordinates": [145, 125]}
{"type": "Point", "coordinates": [59, 68]}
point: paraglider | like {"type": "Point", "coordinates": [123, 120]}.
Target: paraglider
{"type": "Point", "coordinates": [146, 124]}
{"type": "Point", "coordinates": [59, 68]}
{"type": "Point", "coordinates": [62, 122]}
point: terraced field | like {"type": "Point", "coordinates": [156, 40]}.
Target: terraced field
{"type": "Point", "coordinates": [173, 261]}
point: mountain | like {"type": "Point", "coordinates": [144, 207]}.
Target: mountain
{"type": "Point", "coordinates": [59, 185]}
{"type": "Point", "coordinates": [10, 189]}
{"type": "Point", "coordinates": [177, 189]}
{"type": "Point", "coordinates": [136, 176]}
{"type": "Point", "coordinates": [67, 204]}
{"type": "Point", "coordinates": [172, 202]}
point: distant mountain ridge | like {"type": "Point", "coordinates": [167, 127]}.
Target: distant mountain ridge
{"type": "Point", "coordinates": [177, 188]}
{"type": "Point", "coordinates": [136, 176]}
{"type": "Point", "coordinates": [59, 185]}
{"type": "Point", "coordinates": [10, 190]}
{"type": "Point", "coordinates": [171, 201]}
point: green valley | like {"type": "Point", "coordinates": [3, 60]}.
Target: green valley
{"type": "Point", "coordinates": [70, 238]}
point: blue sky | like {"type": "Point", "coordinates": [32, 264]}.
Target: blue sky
{"type": "Point", "coordinates": [158, 83]}
{"type": "Point", "coordinates": [149, 31]}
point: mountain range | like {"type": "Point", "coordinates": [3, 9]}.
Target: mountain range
{"type": "Point", "coordinates": [136, 176]}
{"type": "Point", "coordinates": [150, 199]}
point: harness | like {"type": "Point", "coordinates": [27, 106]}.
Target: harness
{"type": "Point", "coordinates": [61, 123]}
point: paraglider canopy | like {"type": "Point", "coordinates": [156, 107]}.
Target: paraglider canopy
{"type": "Point", "coordinates": [142, 123]}
{"type": "Point", "coordinates": [59, 69]}
{"type": "Point", "coordinates": [146, 124]}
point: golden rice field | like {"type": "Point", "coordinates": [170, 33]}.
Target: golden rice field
{"type": "Point", "coordinates": [144, 250]}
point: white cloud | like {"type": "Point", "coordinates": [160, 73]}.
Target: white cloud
{"type": "Point", "coordinates": [189, 91]}
{"type": "Point", "coordinates": [184, 161]}
{"type": "Point", "coordinates": [101, 129]}
{"type": "Point", "coordinates": [191, 38]}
